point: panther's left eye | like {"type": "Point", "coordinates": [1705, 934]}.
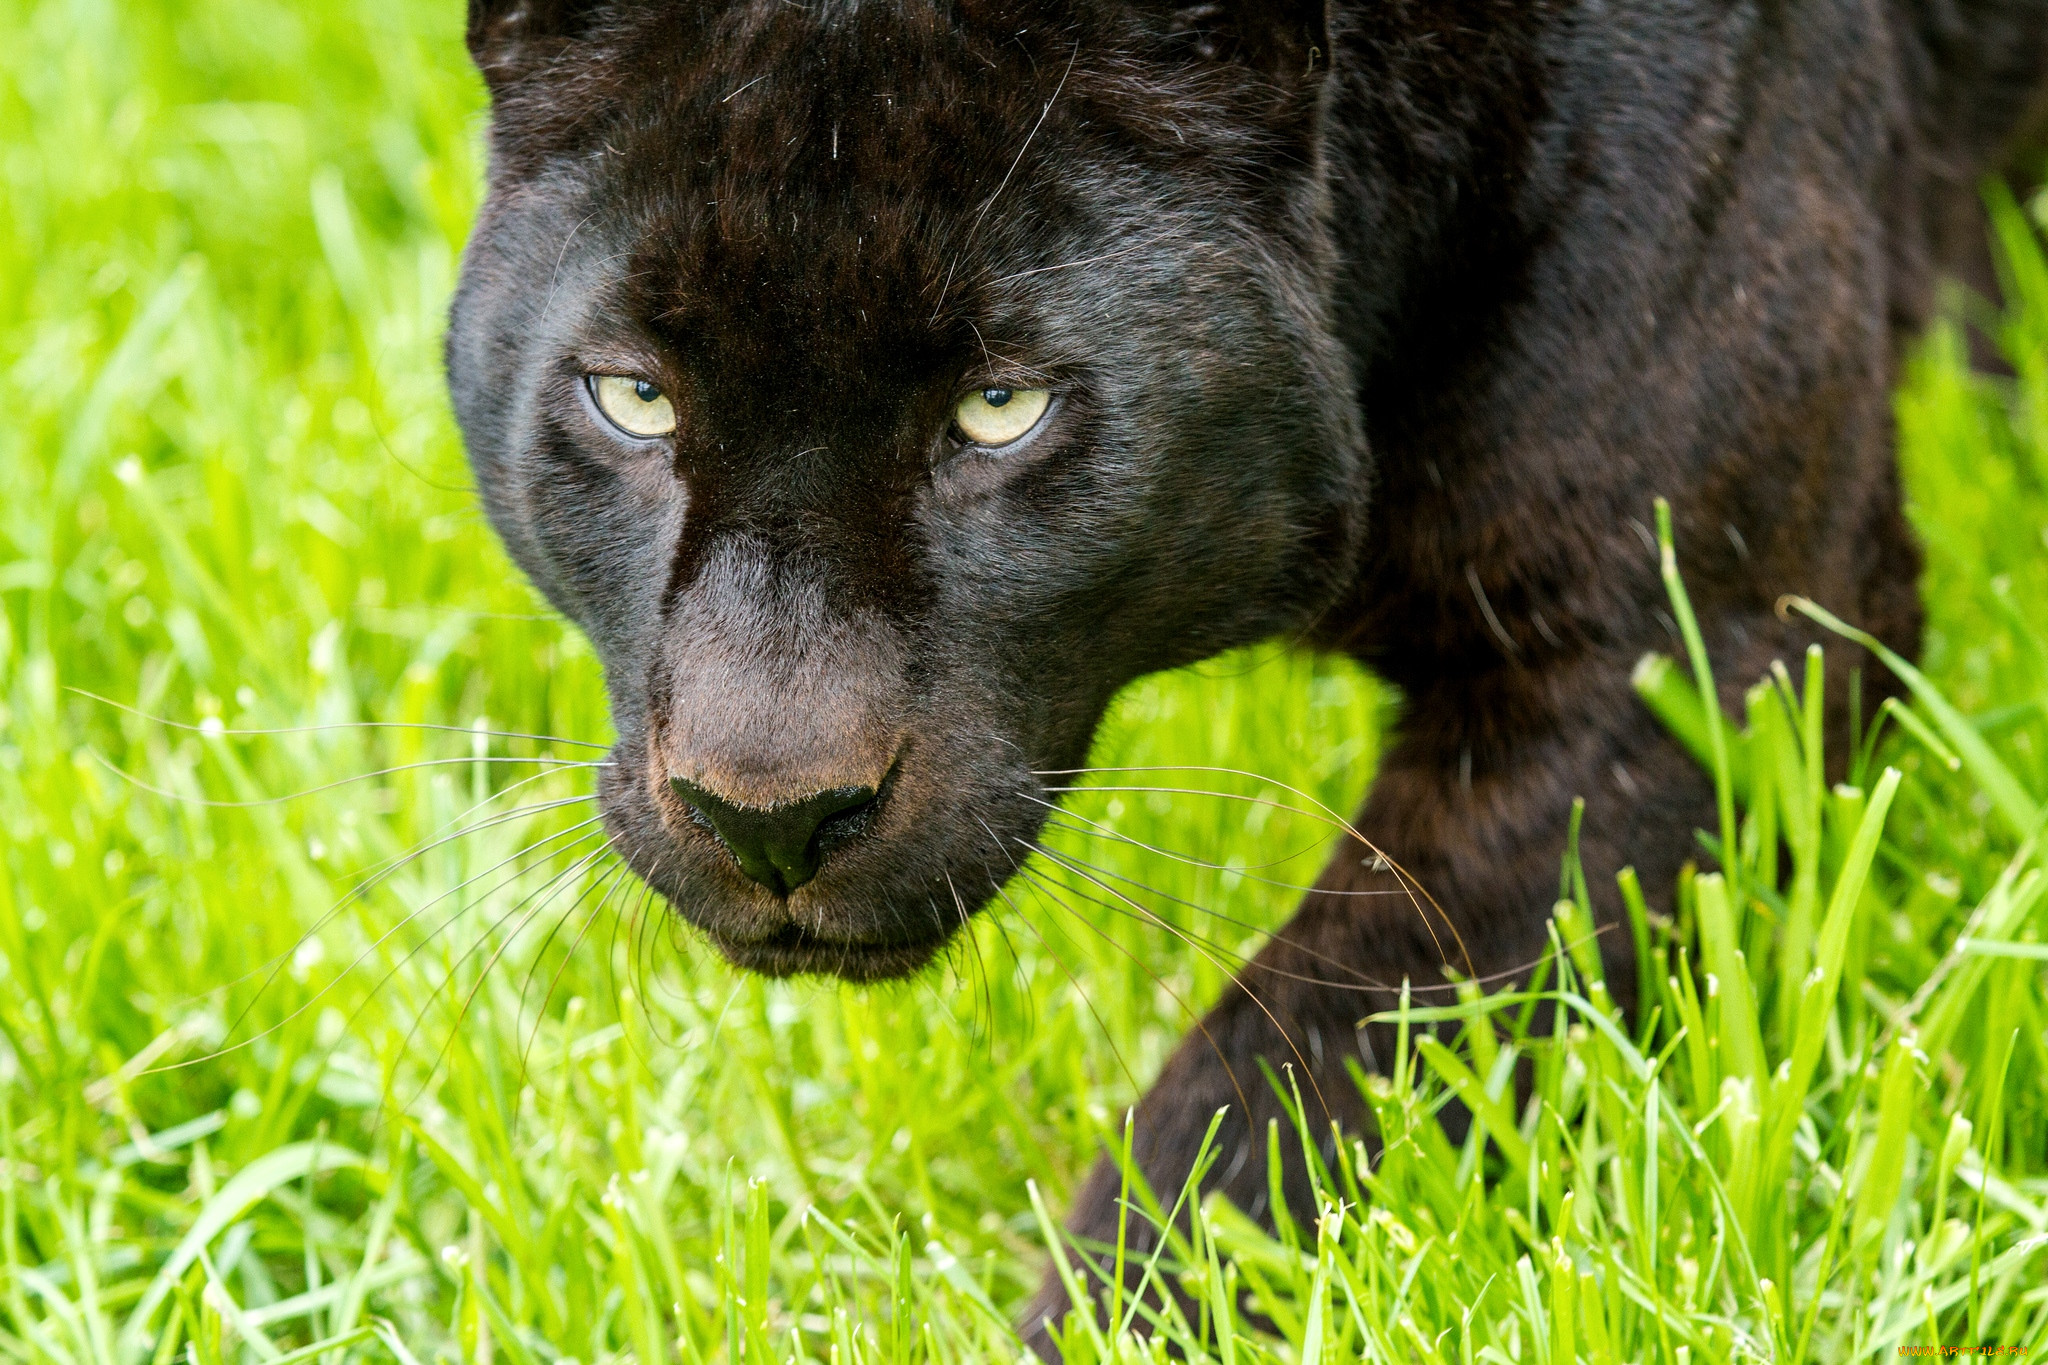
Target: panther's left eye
{"type": "Point", "coordinates": [998, 417]}
{"type": "Point", "coordinates": [633, 405]}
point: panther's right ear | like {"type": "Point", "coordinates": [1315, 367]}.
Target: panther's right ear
{"type": "Point", "coordinates": [509, 37]}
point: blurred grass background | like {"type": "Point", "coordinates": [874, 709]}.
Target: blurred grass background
{"type": "Point", "coordinates": [493, 1106]}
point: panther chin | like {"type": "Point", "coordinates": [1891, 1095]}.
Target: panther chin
{"type": "Point", "coordinates": [794, 950]}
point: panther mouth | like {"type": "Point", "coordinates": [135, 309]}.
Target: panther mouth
{"type": "Point", "coordinates": [793, 950]}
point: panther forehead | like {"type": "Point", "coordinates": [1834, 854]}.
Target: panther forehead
{"type": "Point", "coordinates": [832, 189]}
{"type": "Point", "coordinates": [665, 67]}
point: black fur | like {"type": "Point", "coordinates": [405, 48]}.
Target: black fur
{"type": "Point", "coordinates": [1378, 328]}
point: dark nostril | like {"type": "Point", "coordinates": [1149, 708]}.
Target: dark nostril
{"type": "Point", "coordinates": [778, 846]}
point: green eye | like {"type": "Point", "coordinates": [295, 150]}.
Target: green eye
{"type": "Point", "coordinates": [634, 405]}
{"type": "Point", "coordinates": [997, 417]}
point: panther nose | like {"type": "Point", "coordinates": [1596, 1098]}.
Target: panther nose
{"type": "Point", "coordinates": [778, 846]}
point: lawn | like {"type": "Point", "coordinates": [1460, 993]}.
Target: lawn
{"type": "Point", "coordinates": [328, 1031]}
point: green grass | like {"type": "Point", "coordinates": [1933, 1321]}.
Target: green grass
{"type": "Point", "coordinates": [479, 1113]}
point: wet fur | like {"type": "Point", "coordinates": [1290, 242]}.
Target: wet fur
{"type": "Point", "coordinates": [1378, 329]}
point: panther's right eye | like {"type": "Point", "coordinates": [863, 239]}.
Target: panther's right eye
{"type": "Point", "coordinates": [994, 417]}
{"type": "Point", "coordinates": [633, 405]}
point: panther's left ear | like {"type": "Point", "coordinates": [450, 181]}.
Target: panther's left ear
{"type": "Point", "coordinates": [1286, 40]}
{"type": "Point", "coordinates": [507, 37]}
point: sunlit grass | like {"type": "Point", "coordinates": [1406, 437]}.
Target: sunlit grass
{"type": "Point", "coordinates": [312, 1072]}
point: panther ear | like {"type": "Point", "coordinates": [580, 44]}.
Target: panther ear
{"type": "Point", "coordinates": [1287, 40]}
{"type": "Point", "coordinates": [507, 37]}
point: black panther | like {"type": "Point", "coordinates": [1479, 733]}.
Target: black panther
{"type": "Point", "coordinates": [882, 384]}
